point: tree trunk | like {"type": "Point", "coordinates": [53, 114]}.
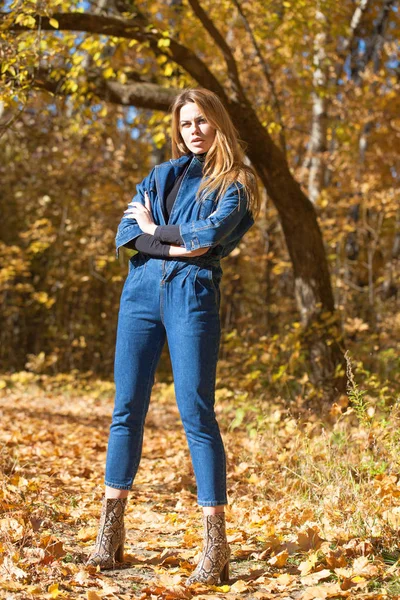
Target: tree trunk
{"type": "Point", "coordinates": [322, 336]}
{"type": "Point", "coordinates": [319, 124]}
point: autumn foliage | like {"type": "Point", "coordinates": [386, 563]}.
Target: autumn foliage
{"type": "Point", "coordinates": [314, 490]}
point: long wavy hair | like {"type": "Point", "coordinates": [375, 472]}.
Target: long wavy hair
{"type": "Point", "coordinates": [224, 163]}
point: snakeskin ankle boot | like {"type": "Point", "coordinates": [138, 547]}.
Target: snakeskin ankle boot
{"type": "Point", "coordinates": [109, 547]}
{"type": "Point", "coordinates": [214, 560]}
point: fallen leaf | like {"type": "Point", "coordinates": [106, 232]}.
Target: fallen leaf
{"type": "Point", "coordinates": [92, 596]}
{"type": "Point", "coordinates": [323, 591]}
{"type": "Point", "coordinates": [306, 566]}
{"type": "Point", "coordinates": [315, 577]}
{"type": "Point", "coordinates": [279, 560]}
{"type": "Point", "coordinates": [285, 579]}
{"type": "Point", "coordinates": [309, 540]}
{"type": "Point", "coordinates": [81, 577]}
{"type": "Point", "coordinates": [239, 586]}
{"type": "Point", "coordinates": [336, 558]}
{"type": "Point", "coordinates": [56, 550]}
{"type": "Point", "coordinates": [10, 569]}
{"type": "Point", "coordinates": [87, 533]}
{"type": "Point", "coordinates": [54, 590]}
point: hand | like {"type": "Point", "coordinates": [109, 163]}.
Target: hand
{"type": "Point", "coordinates": [143, 215]}
{"type": "Point", "coordinates": [180, 251]}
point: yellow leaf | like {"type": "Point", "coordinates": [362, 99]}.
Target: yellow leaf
{"type": "Point", "coordinates": [306, 566]}
{"type": "Point", "coordinates": [86, 533]}
{"type": "Point", "coordinates": [163, 43]}
{"type": "Point", "coordinates": [108, 73]}
{"type": "Point", "coordinates": [34, 589]}
{"type": "Point", "coordinates": [54, 591]}
{"type": "Point", "coordinates": [92, 596]}
{"type": "Point", "coordinates": [28, 21]}
{"type": "Point", "coordinates": [222, 588]}
{"type": "Point", "coordinates": [285, 579]}
{"type": "Point", "coordinates": [168, 70]}
{"type": "Point", "coordinates": [54, 23]}
{"type": "Point", "coordinates": [313, 578]}
{"type": "Point", "coordinates": [239, 586]}
{"type": "Point", "coordinates": [322, 591]}
{"type": "Point", "coordinates": [279, 560]}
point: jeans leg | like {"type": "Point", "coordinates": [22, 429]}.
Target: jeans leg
{"type": "Point", "coordinates": [193, 332]}
{"type": "Point", "coordinates": [140, 338]}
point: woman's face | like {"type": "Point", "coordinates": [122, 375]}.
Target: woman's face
{"type": "Point", "coordinates": [197, 134]}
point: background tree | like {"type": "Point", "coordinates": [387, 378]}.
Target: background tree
{"type": "Point", "coordinates": [261, 60]}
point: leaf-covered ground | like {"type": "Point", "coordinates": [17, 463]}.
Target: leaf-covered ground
{"type": "Point", "coordinates": [313, 512]}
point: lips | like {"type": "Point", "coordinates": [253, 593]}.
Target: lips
{"type": "Point", "coordinates": [197, 140]}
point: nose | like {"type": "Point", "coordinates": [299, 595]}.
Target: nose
{"type": "Point", "coordinates": [195, 127]}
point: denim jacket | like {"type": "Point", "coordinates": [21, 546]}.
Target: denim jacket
{"type": "Point", "coordinates": [202, 224]}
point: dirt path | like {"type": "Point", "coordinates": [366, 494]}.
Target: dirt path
{"type": "Point", "coordinates": [52, 456]}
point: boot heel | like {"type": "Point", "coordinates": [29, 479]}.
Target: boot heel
{"type": "Point", "coordinates": [119, 553]}
{"type": "Point", "coordinates": [224, 576]}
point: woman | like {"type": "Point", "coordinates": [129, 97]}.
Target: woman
{"type": "Point", "coordinates": [207, 196]}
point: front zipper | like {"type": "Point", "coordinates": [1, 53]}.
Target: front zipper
{"type": "Point", "coordinates": [158, 194]}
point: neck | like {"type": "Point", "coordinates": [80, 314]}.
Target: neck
{"type": "Point", "coordinates": [201, 157]}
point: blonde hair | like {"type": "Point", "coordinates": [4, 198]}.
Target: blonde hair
{"type": "Point", "coordinates": [224, 162]}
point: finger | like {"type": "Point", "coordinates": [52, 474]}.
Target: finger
{"type": "Point", "coordinates": [147, 201]}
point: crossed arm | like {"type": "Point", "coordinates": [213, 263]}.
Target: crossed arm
{"type": "Point", "coordinates": [166, 243]}
{"type": "Point", "coordinates": [197, 236]}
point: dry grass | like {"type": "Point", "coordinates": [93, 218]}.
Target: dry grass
{"type": "Point", "coordinates": [314, 509]}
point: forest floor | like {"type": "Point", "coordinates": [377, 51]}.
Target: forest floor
{"type": "Point", "coordinates": [311, 512]}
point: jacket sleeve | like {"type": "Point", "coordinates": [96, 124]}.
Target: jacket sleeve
{"type": "Point", "coordinates": [228, 214]}
{"type": "Point", "coordinates": [168, 234]}
{"type": "Point", "coordinates": [128, 229]}
{"type": "Point", "coordinates": [148, 244]}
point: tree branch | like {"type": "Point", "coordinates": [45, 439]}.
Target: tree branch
{"type": "Point", "coordinates": [267, 75]}
{"type": "Point", "coordinates": [140, 94]}
{"type": "Point", "coordinates": [136, 28]}
{"type": "Point", "coordinates": [373, 49]}
{"type": "Point", "coordinates": [209, 26]}
{"type": "Point", "coordinates": [348, 43]}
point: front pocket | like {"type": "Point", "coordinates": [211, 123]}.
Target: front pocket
{"type": "Point", "coordinates": [137, 266]}
{"type": "Point", "coordinates": [205, 288]}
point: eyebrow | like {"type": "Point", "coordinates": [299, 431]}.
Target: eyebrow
{"type": "Point", "coordinates": [196, 119]}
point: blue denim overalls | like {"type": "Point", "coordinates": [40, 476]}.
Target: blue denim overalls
{"type": "Point", "coordinates": [175, 299]}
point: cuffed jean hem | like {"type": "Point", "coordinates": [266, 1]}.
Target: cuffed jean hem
{"type": "Point", "coordinates": [212, 503]}
{"type": "Point", "coordinates": [118, 486]}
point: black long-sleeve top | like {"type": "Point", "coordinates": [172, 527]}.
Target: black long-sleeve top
{"type": "Point", "coordinates": [164, 235]}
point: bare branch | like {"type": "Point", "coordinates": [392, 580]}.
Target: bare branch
{"type": "Point", "coordinates": [373, 49]}
{"type": "Point", "coordinates": [348, 43]}
{"type": "Point", "coordinates": [267, 75]}
{"type": "Point", "coordinates": [209, 26]}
